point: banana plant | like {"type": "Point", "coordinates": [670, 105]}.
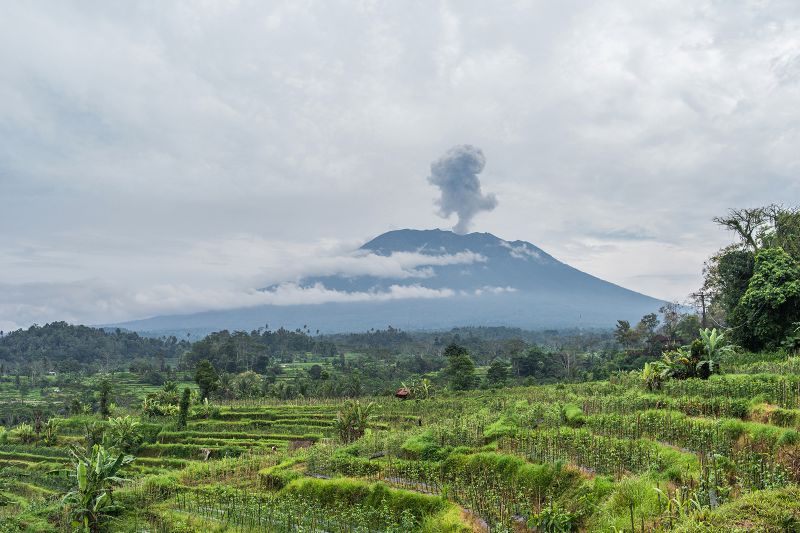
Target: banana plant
{"type": "Point", "coordinates": [124, 434]}
{"type": "Point", "coordinates": [51, 431]}
{"type": "Point", "coordinates": [715, 346]}
{"type": "Point", "coordinates": [91, 503]}
{"type": "Point", "coordinates": [351, 421]}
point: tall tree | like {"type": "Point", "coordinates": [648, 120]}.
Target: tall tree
{"type": "Point", "coordinates": [104, 388]}
{"type": "Point", "coordinates": [206, 378]}
{"type": "Point", "coordinates": [497, 373]}
{"type": "Point", "coordinates": [787, 232]}
{"type": "Point", "coordinates": [460, 369]}
{"type": "Point", "coordinates": [754, 226]}
{"type": "Point", "coordinates": [768, 309]}
{"type": "Point", "coordinates": [727, 275]}
{"type": "Point", "coordinates": [183, 412]}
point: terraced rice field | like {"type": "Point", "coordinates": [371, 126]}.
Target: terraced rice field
{"type": "Point", "coordinates": [590, 457]}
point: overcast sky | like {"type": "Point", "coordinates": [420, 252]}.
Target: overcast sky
{"type": "Point", "coordinates": [162, 157]}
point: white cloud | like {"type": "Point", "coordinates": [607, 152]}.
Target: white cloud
{"type": "Point", "coordinates": [205, 276]}
{"type": "Point", "coordinates": [493, 290]}
{"type": "Point", "coordinates": [398, 265]}
{"type": "Point", "coordinates": [95, 302]}
{"type": "Point", "coordinates": [522, 251]}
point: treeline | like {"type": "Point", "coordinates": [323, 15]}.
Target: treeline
{"type": "Point", "coordinates": [484, 342]}
{"type": "Point", "coordinates": [258, 350]}
{"type": "Point", "coordinates": [62, 347]}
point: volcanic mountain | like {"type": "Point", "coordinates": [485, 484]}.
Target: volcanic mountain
{"type": "Point", "coordinates": [446, 280]}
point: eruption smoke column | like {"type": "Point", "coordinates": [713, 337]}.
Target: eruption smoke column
{"type": "Point", "coordinates": [456, 175]}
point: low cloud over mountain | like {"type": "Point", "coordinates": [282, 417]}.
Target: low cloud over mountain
{"type": "Point", "coordinates": [427, 279]}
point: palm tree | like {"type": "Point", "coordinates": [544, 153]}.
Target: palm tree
{"type": "Point", "coordinates": [91, 503]}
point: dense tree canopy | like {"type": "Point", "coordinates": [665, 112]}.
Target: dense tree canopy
{"type": "Point", "coordinates": [753, 285]}
{"type": "Point", "coordinates": [64, 347]}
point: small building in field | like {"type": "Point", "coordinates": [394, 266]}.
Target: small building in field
{"type": "Point", "coordinates": [402, 393]}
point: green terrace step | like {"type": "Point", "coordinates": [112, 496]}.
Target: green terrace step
{"type": "Point", "coordinates": [161, 462]}
{"type": "Point", "coordinates": [178, 436]}
{"type": "Point", "coordinates": [210, 441]}
{"type": "Point", "coordinates": [266, 415]}
{"type": "Point", "coordinates": [227, 425]}
{"type": "Point", "coordinates": [189, 451]}
{"type": "Point", "coordinates": [31, 458]}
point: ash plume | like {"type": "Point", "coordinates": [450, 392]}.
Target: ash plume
{"type": "Point", "coordinates": [456, 175]}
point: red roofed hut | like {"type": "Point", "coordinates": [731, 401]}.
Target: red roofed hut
{"type": "Point", "coordinates": [402, 393]}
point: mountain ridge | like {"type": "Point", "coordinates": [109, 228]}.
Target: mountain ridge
{"type": "Point", "coordinates": [462, 280]}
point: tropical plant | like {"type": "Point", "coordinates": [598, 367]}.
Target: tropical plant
{"type": "Point", "coordinates": [553, 520]}
{"type": "Point", "coordinates": [94, 433]}
{"type": "Point", "coordinates": [91, 504]}
{"type": "Point", "coordinates": [24, 433]}
{"type": "Point", "coordinates": [652, 375]}
{"type": "Point", "coordinates": [420, 389]}
{"type": "Point", "coordinates": [51, 431]}
{"type": "Point", "coordinates": [716, 347]}
{"type": "Point", "coordinates": [351, 421]}
{"type": "Point", "coordinates": [123, 434]}
{"type": "Point", "coordinates": [792, 341]}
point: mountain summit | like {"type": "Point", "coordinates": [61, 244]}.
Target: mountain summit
{"type": "Point", "coordinates": [432, 279]}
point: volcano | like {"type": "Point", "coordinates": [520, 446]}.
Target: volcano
{"type": "Point", "coordinates": [475, 279]}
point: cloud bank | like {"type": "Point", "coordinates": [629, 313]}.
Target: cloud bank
{"type": "Point", "coordinates": [218, 286]}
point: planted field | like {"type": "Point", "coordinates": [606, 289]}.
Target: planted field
{"type": "Point", "coordinates": [597, 456]}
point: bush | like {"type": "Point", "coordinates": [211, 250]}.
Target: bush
{"type": "Point", "coordinates": [765, 510]}
{"type": "Point", "coordinates": [338, 492]}
{"type": "Point", "coordinates": [24, 433]}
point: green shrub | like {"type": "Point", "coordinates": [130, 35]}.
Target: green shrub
{"type": "Point", "coordinates": [24, 433]}
{"type": "Point", "coordinates": [422, 446]}
{"type": "Point", "coordinates": [766, 511]}
{"type": "Point", "coordinates": [338, 492]}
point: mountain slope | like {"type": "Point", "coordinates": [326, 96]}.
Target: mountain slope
{"type": "Point", "coordinates": [447, 280]}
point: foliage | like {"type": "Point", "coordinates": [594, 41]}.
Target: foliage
{"type": "Point", "coordinates": [771, 304]}
{"type": "Point", "coordinates": [420, 389]}
{"type": "Point", "coordinates": [715, 347]}
{"type": "Point", "coordinates": [67, 348]}
{"type": "Point", "coordinates": [51, 431]}
{"type": "Point", "coordinates": [460, 369]}
{"type": "Point", "coordinates": [124, 434]}
{"type": "Point", "coordinates": [206, 377]}
{"type": "Point", "coordinates": [497, 375]}
{"type": "Point", "coordinates": [352, 420]}
{"type": "Point", "coordinates": [24, 433]}
{"type": "Point", "coordinates": [91, 503]}
{"type": "Point", "coordinates": [183, 413]}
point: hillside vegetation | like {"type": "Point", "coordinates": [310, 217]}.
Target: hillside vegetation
{"type": "Point", "coordinates": [693, 455]}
